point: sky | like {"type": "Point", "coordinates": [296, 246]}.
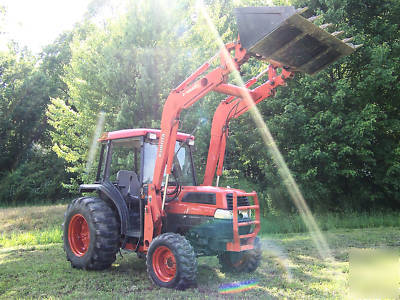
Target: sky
{"type": "Point", "coordinates": [36, 23]}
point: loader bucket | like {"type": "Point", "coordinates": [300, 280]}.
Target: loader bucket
{"type": "Point", "coordinates": [282, 35]}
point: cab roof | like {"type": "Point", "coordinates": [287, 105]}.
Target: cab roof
{"type": "Point", "coordinates": [127, 133]}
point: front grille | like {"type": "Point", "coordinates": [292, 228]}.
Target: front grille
{"type": "Point", "coordinates": [204, 198]}
{"type": "Point", "coordinates": [241, 201]}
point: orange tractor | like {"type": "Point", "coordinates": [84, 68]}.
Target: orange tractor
{"type": "Point", "coordinates": [146, 197]}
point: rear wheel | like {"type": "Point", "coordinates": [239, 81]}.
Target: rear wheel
{"type": "Point", "coordinates": [91, 234]}
{"type": "Point", "coordinates": [171, 262]}
{"type": "Point", "coordinates": [246, 261]}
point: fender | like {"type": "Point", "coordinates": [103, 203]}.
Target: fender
{"type": "Point", "coordinates": [112, 193]}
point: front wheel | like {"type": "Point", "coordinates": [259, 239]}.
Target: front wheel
{"type": "Point", "coordinates": [171, 262]}
{"type": "Point", "coordinates": [246, 261]}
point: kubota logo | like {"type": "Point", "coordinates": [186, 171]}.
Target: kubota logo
{"type": "Point", "coordinates": [161, 145]}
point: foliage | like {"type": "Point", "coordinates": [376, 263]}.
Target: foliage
{"type": "Point", "coordinates": [29, 172]}
{"type": "Point", "coordinates": [125, 70]}
{"type": "Point", "coordinates": [33, 180]}
{"type": "Point", "coordinates": [338, 131]}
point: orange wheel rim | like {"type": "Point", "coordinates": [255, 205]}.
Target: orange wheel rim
{"type": "Point", "coordinates": [164, 264]}
{"type": "Point", "coordinates": [78, 235]}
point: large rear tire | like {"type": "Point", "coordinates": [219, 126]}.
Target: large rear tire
{"type": "Point", "coordinates": [91, 234]}
{"type": "Point", "coordinates": [238, 262]}
{"type": "Point", "coordinates": [171, 262]}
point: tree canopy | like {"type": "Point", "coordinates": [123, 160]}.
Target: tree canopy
{"type": "Point", "coordinates": [339, 131]}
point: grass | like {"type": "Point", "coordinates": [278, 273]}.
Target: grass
{"type": "Point", "coordinates": [28, 218]}
{"type": "Point", "coordinates": [36, 237]}
{"type": "Point", "coordinates": [31, 225]}
{"type": "Point", "coordinates": [41, 225]}
{"type": "Point", "coordinates": [33, 264]}
{"type": "Point", "coordinates": [329, 221]}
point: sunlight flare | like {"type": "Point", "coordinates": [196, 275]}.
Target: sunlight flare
{"type": "Point", "coordinates": [284, 172]}
{"type": "Point", "coordinates": [93, 146]}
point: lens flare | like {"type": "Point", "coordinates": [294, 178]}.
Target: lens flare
{"type": "Point", "coordinates": [96, 136]}
{"type": "Point", "coordinates": [272, 248]}
{"type": "Point", "coordinates": [237, 287]}
{"type": "Point", "coordinates": [283, 170]}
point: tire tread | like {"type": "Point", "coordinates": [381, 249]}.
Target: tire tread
{"type": "Point", "coordinates": [106, 232]}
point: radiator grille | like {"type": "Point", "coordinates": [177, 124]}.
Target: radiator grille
{"type": "Point", "coordinates": [204, 198]}
{"type": "Point", "coordinates": [241, 201]}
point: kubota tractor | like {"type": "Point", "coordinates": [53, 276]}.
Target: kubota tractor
{"type": "Point", "coordinates": [146, 197]}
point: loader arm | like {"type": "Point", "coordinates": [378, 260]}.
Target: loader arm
{"type": "Point", "coordinates": [195, 87]}
{"type": "Point", "coordinates": [279, 35]}
{"type": "Point", "coordinates": [233, 107]}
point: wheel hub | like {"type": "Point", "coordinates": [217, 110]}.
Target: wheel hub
{"type": "Point", "coordinates": [164, 264]}
{"type": "Point", "coordinates": [78, 235]}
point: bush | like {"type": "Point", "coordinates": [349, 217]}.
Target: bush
{"type": "Point", "coordinates": [37, 179]}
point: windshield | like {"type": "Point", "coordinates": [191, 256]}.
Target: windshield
{"type": "Point", "coordinates": [183, 168]}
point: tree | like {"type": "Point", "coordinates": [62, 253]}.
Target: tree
{"type": "Point", "coordinates": [338, 130]}
{"type": "Point", "coordinates": [125, 69]}
{"type": "Point", "coordinates": [25, 160]}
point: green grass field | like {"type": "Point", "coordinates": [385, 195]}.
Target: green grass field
{"type": "Point", "coordinates": [33, 264]}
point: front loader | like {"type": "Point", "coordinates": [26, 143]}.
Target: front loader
{"type": "Point", "coordinates": [146, 197]}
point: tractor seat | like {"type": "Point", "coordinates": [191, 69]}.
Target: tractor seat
{"type": "Point", "coordinates": [128, 183]}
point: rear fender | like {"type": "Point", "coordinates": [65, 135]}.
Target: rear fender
{"type": "Point", "coordinates": [113, 194]}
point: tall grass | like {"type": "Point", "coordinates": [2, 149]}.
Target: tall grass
{"type": "Point", "coordinates": [29, 238]}
{"type": "Point", "coordinates": [31, 225]}
{"type": "Point", "coordinates": [293, 223]}
{"type": "Point", "coordinates": [36, 225]}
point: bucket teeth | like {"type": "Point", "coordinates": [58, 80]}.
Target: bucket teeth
{"type": "Point", "coordinates": [336, 33]}
{"type": "Point", "coordinates": [348, 39]}
{"type": "Point", "coordinates": [324, 26]}
{"type": "Point", "coordinates": [301, 10]}
{"type": "Point", "coordinates": [313, 18]}
{"type": "Point", "coordinates": [282, 35]}
{"type": "Point", "coordinates": [354, 46]}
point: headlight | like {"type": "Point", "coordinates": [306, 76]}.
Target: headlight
{"type": "Point", "coordinates": [244, 214]}
{"type": "Point", "coordinates": [223, 214]}
{"type": "Point", "coordinates": [151, 135]}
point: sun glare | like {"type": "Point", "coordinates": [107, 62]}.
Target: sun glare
{"type": "Point", "coordinates": [284, 172]}
{"type": "Point", "coordinates": [37, 23]}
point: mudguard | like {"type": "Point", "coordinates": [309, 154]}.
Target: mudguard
{"type": "Point", "coordinates": [112, 193]}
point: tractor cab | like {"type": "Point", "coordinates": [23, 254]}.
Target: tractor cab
{"type": "Point", "coordinates": [128, 157]}
{"type": "Point", "coordinates": [126, 168]}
